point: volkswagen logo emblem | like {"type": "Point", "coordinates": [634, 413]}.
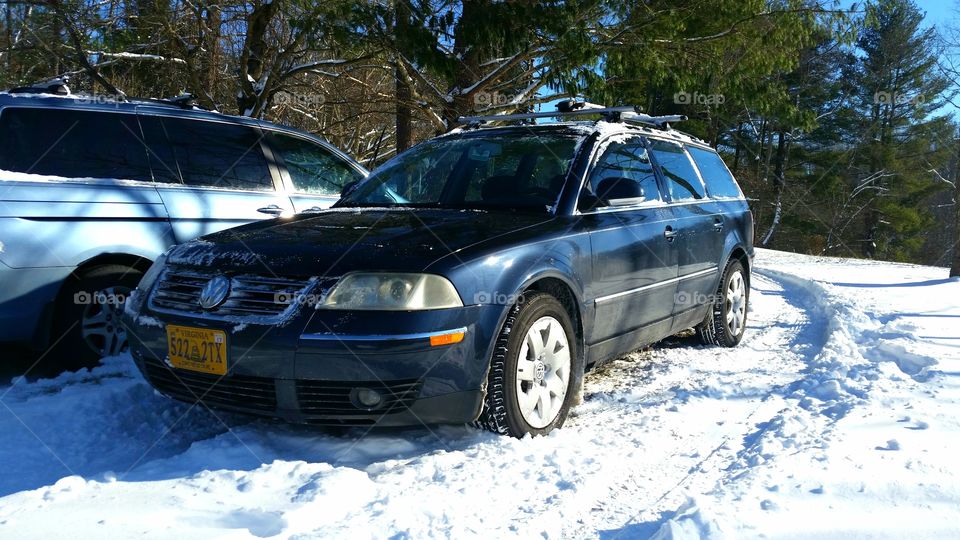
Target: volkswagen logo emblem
{"type": "Point", "coordinates": [215, 292]}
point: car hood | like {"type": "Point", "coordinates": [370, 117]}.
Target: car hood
{"type": "Point", "coordinates": [341, 240]}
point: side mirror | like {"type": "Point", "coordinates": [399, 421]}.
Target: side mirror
{"type": "Point", "coordinates": [348, 187]}
{"type": "Point", "coordinates": [620, 191]}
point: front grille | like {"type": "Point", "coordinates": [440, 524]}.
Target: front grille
{"type": "Point", "coordinates": [333, 397]}
{"type": "Point", "coordinates": [231, 392]}
{"type": "Point", "coordinates": [252, 298]}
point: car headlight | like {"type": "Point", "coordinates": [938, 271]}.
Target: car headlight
{"type": "Point", "coordinates": [391, 292]}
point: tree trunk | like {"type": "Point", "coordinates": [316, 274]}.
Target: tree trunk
{"type": "Point", "coordinates": [737, 148]}
{"type": "Point", "coordinates": [778, 185]}
{"type": "Point", "coordinates": [211, 61]}
{"type": "Point", "coordinates": [468, 68]}
{"type": "Point", "coordinates": [955, 269]}
{"type": "Point", "coordinates": [8, 27]}
{"type": "Point", "coordinates": [403, 94]}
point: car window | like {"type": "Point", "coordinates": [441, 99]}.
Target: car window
{"type": "Point", "coordinates": [681, 180]}
{"type": "Point", "coordinates": [214, 154]}
{"type": "Point", "coordinates": [313, 169]}
{"type": "Point", "coordinates": [491, 170]}
{"type": "Point", "coordinates": [73, 144]}
{"type": "Point", "coordinates": [627, 159]}
{"type": "Point", "coordinates": [160, 153]}
{"type": "Point", "coordinates": [720, 183]}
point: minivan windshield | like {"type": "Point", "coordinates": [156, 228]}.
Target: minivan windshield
{"type": "Point", "coordinates": [520, 171]}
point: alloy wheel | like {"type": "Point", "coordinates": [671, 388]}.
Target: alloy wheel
{"type": "Point", "coordinates": [100, 324]}
{"type": "Point", "coordinates": [543, 372]}
{"type": "Point", "coordinates": [735, 308]}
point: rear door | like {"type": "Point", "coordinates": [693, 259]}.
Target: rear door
{"type": "Point", "coordinates": [76, 184]}
{"type": "Point", "coordinates": [698, 225]}
{"type": "Point", "coordinates": [313, 174]}
{"type": "Point", "coordinates": [634, 261]}
{"type": "Point", "coordinates": [212, 175]}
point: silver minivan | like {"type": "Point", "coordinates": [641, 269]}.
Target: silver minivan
{"type": "Point", "coordinates": [92, 191]}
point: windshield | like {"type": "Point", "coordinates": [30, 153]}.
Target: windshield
{"type": "Point", "coordinates": [496, 171]}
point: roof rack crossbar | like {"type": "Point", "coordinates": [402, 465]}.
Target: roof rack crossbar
{"type": "Point", "coordinates": [532, 115]}
{"type": "Point", "coordinates": [627, 114]}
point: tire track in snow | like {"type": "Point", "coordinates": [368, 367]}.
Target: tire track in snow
{"type": "Point", "coordinates": [783, 336]}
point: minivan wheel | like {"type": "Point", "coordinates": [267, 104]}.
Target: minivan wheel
{"type": "Point", "coordinates": [726, 321]}
{"type": "Point", "coordinates": [89, 310]}
{"type": "Point", "coordinates": [530, 384]}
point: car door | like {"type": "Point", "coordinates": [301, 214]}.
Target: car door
{"type": "Point", "coordinates": [314, 175]}
{"type": "Point", "coordinates": [211, 175]}
{"type": "Point", "coordinates": [633, 254]}
{"type": "Point", "coordinates": [698, 222]}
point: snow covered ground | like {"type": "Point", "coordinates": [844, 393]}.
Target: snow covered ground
{"type": "Point", "coordinates": [839, 415]}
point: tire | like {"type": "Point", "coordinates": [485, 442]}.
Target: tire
{"type": "Point", "coordinates": [726, 321]}
{"type": "Point", "coordinates": [524, 394]}
{"type": "Point", "coordinates": [86, 325]}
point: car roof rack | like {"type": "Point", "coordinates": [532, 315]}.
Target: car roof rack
{"type": "Point", "coordinates": [573, 108]}
{"type": "Point", "coordinates": [57, 86]}
{"type": "Point", "coordinates": [184, 101]}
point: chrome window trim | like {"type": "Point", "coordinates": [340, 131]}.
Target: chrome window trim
{"type": "Point", "coordinates": [660, 203]}
{"type": "Point", "coordinates": [607, 298]}
{"type": "Point", "coordinates": [381, 337]}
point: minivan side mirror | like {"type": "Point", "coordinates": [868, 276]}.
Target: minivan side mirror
{"type": "Point", "coordinates": [347, 188]}
{"type": "Point", "coordinates": [620, 191]}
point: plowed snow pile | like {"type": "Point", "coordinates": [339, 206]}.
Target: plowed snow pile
{"type": "Point", "coordinates": [838, 416]}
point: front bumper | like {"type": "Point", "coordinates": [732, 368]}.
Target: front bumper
{"type": "Point", "coordinates": [311, 372]}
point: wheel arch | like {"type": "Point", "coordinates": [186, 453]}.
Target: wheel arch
{"type": "Point", "coordinates": [137, 262]}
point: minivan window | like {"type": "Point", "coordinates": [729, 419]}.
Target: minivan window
{"type": "Point", "coordinates": [72, 144]}
{"type": "Point", "coordinates": [162, 162]}
{"type": "Point", "coordinates": [681, 180]}
{"type": "Point", "coordinates": [214, 154]}
{"type": "Point", "coordinates": [626, 160]}
{"type": "Point", "coordinates": [720, 183]}
{"type": "Point", "coordinates": [312, 168]}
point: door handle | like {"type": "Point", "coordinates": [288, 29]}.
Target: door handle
{"type": "Point", "coordinates": [718, 224]}
{"type": "Point", "coordinates": [669, 233]}
{"type": "Point", "coordinates": [272, 210]}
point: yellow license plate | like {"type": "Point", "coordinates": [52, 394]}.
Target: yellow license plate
{"type": "Point", "coordinates": [197, 349]}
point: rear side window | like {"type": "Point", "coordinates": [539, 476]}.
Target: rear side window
{"type": "Point", "coordinates": [720, 183]}
{"type": "Point", "coordinates": [682, 182]}
{"type": "Point", "coordinates": [626, 160]}
{"type": "Point", "coordinates": [313, 169]}
{"type": "Point", "coordinates": [73, 144]}
{"type": "Point", "coordinates": [212, 154]}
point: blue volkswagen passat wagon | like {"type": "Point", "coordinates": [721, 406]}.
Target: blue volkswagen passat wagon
{"type": "Point", "coordinates": [93, 190]}
{"type": "Point", "coordinates": [472, 278]}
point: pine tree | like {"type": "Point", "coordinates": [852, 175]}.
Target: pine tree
{"type": "Point", "coordinates": [900, 91]}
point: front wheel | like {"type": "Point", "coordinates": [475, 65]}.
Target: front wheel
{"type": "Point", "coordinates": [87, 324]}
{"type": "Point", "coordinates": [726, 321]}
{"type": "Point", "coordinates": [530, 387]}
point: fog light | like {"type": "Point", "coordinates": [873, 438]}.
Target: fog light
{"type": "Point", "coordinates": [368, 398]}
